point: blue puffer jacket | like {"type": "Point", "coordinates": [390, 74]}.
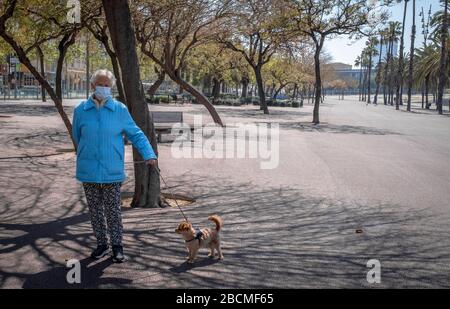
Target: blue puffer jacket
{"type": "Point", "coordinates": [98, 134]}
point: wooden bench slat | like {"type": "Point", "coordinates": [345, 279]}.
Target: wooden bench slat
{"type": "Point", "coordinates": [167, 117]}
{"type": "Point", "coordinates": [164, 121]}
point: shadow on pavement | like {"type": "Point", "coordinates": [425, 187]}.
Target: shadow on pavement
{"type": "Point", "coordinates": [333, 128]}
{"type": "Point", "coordinates": [91, 274]}
{"type": "Point", "coordinates": [272, 237]}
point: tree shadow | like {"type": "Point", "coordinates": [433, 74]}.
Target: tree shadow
{"type": "Point", "coordinates": [91, 277]}
{"type": "Point", "coordinates": [285, 113]}
{"type": "Point", "coordinates": [325, 127]}
{"type": "Point", "coordinates": [272, 237]}
{"type": "Point", "coordinates": [29, 109]}
{"type": "Point", "coordinates": [421, 111]}
{"type": "Point", "coordinates": [185, 266]}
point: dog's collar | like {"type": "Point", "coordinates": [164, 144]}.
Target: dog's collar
{"type": "Point", "coordinates": [198, 236]}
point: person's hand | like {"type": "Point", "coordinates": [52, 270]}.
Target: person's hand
{"type": "Point", "coordinates": [151, 162]}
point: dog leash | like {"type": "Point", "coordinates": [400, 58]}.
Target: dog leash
{"type": "Point", "coordinates": [137, 162]}
{"type": "Point", "coordinates": [170, 191]}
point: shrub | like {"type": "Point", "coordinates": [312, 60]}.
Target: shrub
{"type": "Point", "coordinates": [154, 100]}
{"type": "Point", "coordinates": [228, 96]}
{"type": "Point", "coordinates": [187, 96]}
{"type": "Point", "coordinates": [164, 99]}
{"type": "Point", "coordinates": [255, 100]}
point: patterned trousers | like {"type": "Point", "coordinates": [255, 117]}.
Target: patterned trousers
{"type": "Point", "coordinates": [104, 199]}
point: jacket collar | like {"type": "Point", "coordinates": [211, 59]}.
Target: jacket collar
{"type": "Point", "coordinates": [108, 104]}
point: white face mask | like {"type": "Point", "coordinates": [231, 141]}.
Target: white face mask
{"type": "Point", "coordinates": [102, 93]}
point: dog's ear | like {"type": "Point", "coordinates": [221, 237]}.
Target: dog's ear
{"type": "Point", "coordinates": [184, 226]}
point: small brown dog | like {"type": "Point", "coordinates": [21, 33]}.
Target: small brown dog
{"type": "Point", "coordinates": [201, 238]}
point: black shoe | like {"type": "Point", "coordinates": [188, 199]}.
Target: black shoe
{"type": "Point", "coordinates": [118, 256]}
{"type": "Point", "coordinates": [100, 252]}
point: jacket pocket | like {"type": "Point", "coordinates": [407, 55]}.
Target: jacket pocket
{"type": "Point", "coordinates": [116, 165]}
{"type": "Point", "coordinates": [118, 152]}
{"type": "Point", "coordinates": [85, 168]}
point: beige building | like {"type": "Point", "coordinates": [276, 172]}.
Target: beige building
{"type": "Point", "coordinates": [73, 77]}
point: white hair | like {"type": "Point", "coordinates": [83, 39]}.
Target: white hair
{"type": "Point", "coordinates": [103, 73]}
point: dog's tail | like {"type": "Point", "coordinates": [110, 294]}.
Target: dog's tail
{"type": "Point", "coordinates": [217, 221]}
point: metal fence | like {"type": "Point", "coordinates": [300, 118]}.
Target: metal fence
{"type": "Point", "coordinates": [34, 93]}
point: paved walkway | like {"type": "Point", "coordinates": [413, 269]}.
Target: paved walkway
{"type": "Point", "coordinates": [364, 167]}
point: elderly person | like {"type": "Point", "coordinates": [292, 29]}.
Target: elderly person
{"type": "Point", "coordinates": [99, 126]}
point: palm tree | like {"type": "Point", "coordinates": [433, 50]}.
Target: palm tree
{"type": "Point", "coordinates": [399, 81]}
{"type": "Point", "coordinates": [394, 32]}
{"type": "Point", "coordinates": [398, 99]}
{"type": "Point", "coordinates": [371, 50]}
{"type": "Point", "coordinates": [443, 58]}
{"type": "Point", "coordinates": [364, 67]}
{"type": "Point", "coordinates": [383, 35]}
{"type": "Point", "coordinates": [358, 64]}
{"type": "Point", "coordinates": [386, 65]}
{"type": "Point", "coordinates": [426, 68]}
{"type": "Point", "coordinates": [424, 82]}
{"type": "Point", "coordinates": [411, 57]}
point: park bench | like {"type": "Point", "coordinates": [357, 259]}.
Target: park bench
{"type": "Point", "coordinates": [180, 99]}
{"type": "Point", "coordinates": [163, 121]}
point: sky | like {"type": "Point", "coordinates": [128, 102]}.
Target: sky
{"type": "Point", "coordinates": [344, 50]}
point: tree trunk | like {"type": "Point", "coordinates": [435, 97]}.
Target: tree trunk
{"type": "Point", "coordinates": [308, 93]}
{"type": "Point", "coordinates": [63, 46]}
{"type": "Point", "coordinates": [202, 99]}
{"type": "Point", "coordinates": [427, 87]}
{"type": "Point", "coordinates": [378, 77]}
{"type": "Point", "coordinates": [216, 89]}
{"type": "Point", "coordinates": [42, 65]}
{"type": "Point", "coordinates": [364, 85]}
{"type": "Point", "coordinates": [318, 88]}
{"type": "Point", "coordinates": [400, 59]}
{"type": "Point", "coordinates": [302, 95]}
{"type": "Point", "coordinates": [88, 66]}
{"type": "Point", "coordinates": [386, 73]}
{"type": "Point", "coordinates": [360, 82]}
{"type": "Point", "coordinates": [245, 82]}
{"type": "Point", "coordinates": [411, 57]}
{"type": "Point", "coordinates": [277, 92]}
{"type": "Point", "coordinates": [423, 96]}
{"type": "Point", "coordinates": [102, 36]}
{"type": "Point", "coordinates": [391, 77]}
{"type": "Point", "coordinates": [153, 88]}
{"type": "Point", "coordinates": [27, 63]}
{"type": "Point", "coordinates": [117, 73]}
{"type": "Point", "coordinates": [262, 95]}
{"type": "Point", "coordinates": [118, 17]}
{"type": "Point", "coordinates": [443, 59]}
{"type": "Point", "coordinates": [369, 78]}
